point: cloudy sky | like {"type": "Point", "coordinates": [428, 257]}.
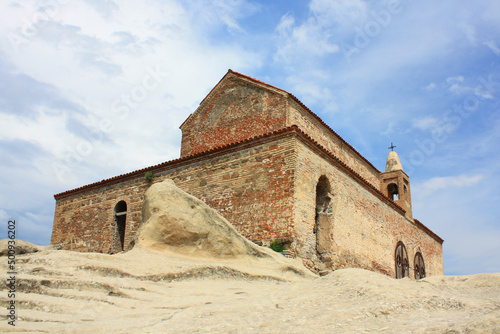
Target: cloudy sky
{"type": "Point", "coordinates": [90, 89]}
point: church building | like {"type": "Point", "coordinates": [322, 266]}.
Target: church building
{"type": "Point", "coordinates": [277, 172]}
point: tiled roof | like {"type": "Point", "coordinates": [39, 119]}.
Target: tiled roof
{"type": "Point", "coordinates": [229, 147]}
{"type": "Point", "coordinates": [291, 130]}
{"type": "Point", "coordinates": [165, 165]}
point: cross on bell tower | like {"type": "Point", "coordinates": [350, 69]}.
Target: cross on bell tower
{"type": "Point", "coordinates": [395, 183]}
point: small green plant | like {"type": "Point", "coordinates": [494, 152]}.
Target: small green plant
{"type": "Point", "coordinates": [149, 176]}
{"type": "Point", "coordinates": [277, 245]}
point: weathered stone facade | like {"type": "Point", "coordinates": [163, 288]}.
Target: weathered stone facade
{"type": "Point", "coordinates": [276, 171]}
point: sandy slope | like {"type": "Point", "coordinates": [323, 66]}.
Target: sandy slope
{"type": "Point", "coordinates": [146, 291]}
{"type": "Point", "coordinates": [192, 272]}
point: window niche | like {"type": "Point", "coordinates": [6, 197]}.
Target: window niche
{"type": "Point", "coordinates": [324, 215]}
{"type": "Point", "coordinates": [121, 219]}
{"type": "Point", "coordinates": [393, 191]}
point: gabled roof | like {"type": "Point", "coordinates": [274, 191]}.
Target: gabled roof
{"type": "Point", "coordinates": [290, 95]}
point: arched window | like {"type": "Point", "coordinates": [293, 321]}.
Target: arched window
{"type": "Point", "coordinates": [121, 219]}
{"type": "Point", "coordinates": [401, 258]}
{"type": "Point", "coordinates": [392, 191]}
{"type": "Point", "coordinates": [419, 266]}
{"type": "Point", "coordinates": [322, 225]}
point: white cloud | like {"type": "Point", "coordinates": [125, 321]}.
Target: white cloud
{"type": "Point", "coordinates": [469, 32]}
{"type": "Point", "coordinates": [390, 129]}
{"type": "Point", "coordinates": [93, 54]}
{"type": "Point", "coordinates": [449, 183]}
{"type": "Point", "coordinates": [286, 24]}
{"type": "Point", "coordinates": [484, 93]}
{"type": "Point", "coordinates": [230, 11]}
{"type": "Point", "coordinates": [3, 215]}
{"type": "Point", "coordinates": [430, 86]}
{"type": "Point", "coordinates": [493, 46]}
{"type": "Point", "coordinates": [298, 41]}
{"type": "Point", "coordinates": [312, 93]}
{"type": "Point", "coordinates": [462, 210]}
{"type": "Point", "coordinates": [339, 12]}
{"type": "Point", "coordinates": [455, 84]}
{"type": "Point", "coordinates": [426, 123]}
{"type": "Point", "coordinates": [436, 124]}
{"type": "Point", "coordinates": [221, 13]}
{"type": "Point", "coordinates": [455, 79]}
{"type": "Point", "coordinates": [105, 7]}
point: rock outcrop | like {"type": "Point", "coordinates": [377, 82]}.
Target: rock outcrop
{"type": "Point", "coordinates": [22, 247]}
{"type": "Point", "coordinates": [174, 220]}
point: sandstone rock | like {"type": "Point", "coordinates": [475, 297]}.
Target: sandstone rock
{"type": "Point", "coordinates": [22, 247]}
{"type": "Point", "coordinates": [142, 291]}
{"type": "Point", "coordinates": [175, 220]}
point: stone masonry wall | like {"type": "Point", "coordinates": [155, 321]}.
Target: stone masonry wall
{"type": "Point", "coordinates": [317, 131]}
{"type": "Point", "coordinates": [85, 221]}
{"type": "Point", "coordinates": [364, 229]}
{"type": "Point", "coordinates": [252, 188]}
{"type": "Point", "coordinates": [235, 111]}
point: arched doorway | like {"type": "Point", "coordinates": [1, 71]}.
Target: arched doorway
{"type": "Point", "coordinates": [402, 265]}
{"type": "Point", "coordinates": [419, 266]}
{"type": "Point", "coordinates": [121, 219]}
{"type": "Point", "coordinates": [324, 214]}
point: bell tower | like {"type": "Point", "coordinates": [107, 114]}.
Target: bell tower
{"type": "Point", "coordinates": [395, 184]}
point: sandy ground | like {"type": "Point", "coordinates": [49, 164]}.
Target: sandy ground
{"type": "Point", "coordinates": [145, 291]}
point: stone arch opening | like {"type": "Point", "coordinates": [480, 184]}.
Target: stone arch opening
{"type": "Point", "coordinates": [393, 191]}
{"type": "Point", "coordinates": [324, 214]}
{"type": "Point", "coordinates": [419, 266]}
{"type": "Point", "coordinates": [121, 220]}
{"type": "Point", "coordinates": [401, 257]}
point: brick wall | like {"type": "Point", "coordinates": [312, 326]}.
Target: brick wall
{"type": "Point", "coordinates": [365, 229]}
{"type": "Point", "coordinates": [236, 110]}
{"type": "Point", "coordinates": [252, 188]}
{"type": "Point", "coordinates": [325, 137]}
{"type": "Point", "coordinates": [85, 221]}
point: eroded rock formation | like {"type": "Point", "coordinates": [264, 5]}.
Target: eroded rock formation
{"type": "Point", "coordinates": [175, 220]}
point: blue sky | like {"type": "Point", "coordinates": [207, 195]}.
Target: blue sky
{"type": "Point", "coordinates": [91, 89]}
